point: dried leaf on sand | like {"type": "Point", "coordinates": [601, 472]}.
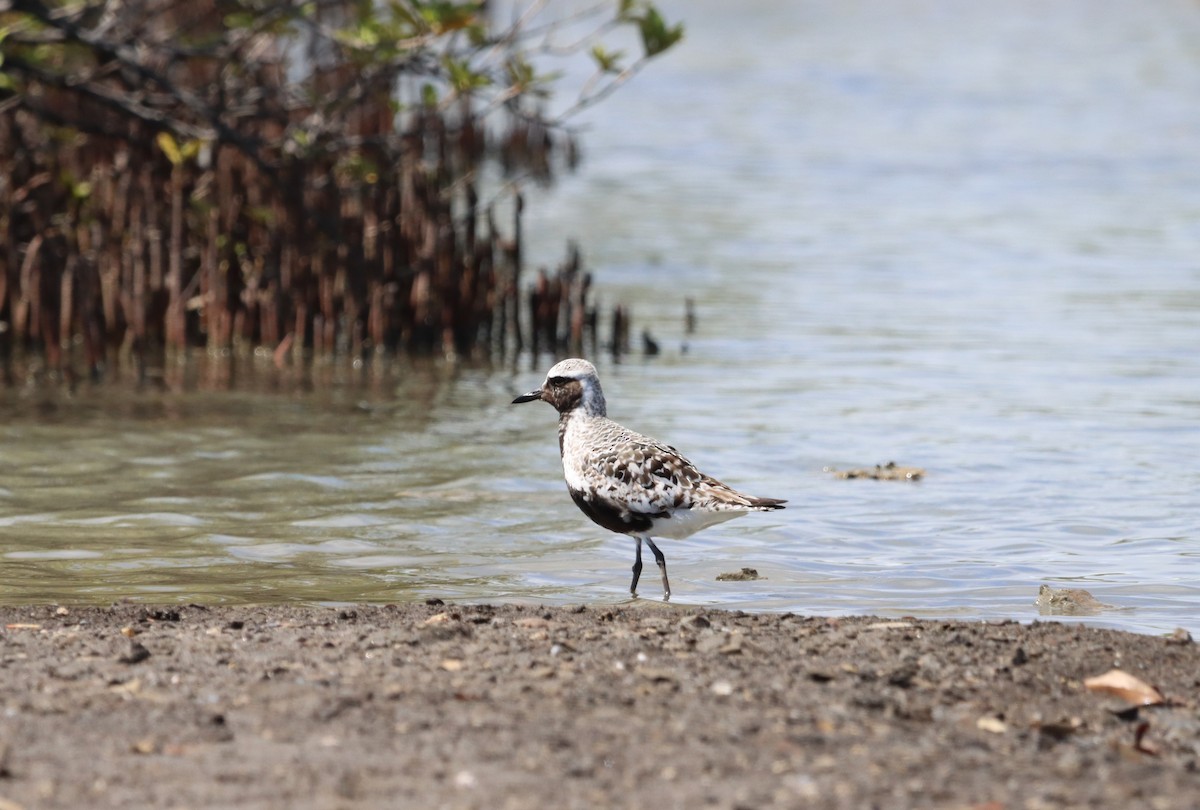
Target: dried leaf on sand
{"type": "Point", "coordinates": [1121, 684]}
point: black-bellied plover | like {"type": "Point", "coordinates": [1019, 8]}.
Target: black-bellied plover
{"type": "Point", "coordinates": [629, 483]}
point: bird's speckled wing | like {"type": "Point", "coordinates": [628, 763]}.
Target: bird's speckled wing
{"type": "Point", "coordinates": [640, 475]}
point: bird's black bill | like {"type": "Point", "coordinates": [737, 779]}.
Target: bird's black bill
{"type": "Point", "coordinates": [530, 397]}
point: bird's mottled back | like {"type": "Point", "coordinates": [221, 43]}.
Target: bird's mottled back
{"type": "Point", "coordinates": [643, 475]}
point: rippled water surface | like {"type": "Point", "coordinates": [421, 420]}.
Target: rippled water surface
{"type": "Point", "coordinates": [964, 237]}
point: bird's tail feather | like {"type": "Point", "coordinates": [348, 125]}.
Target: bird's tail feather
{"type": "Point", "coordinates": [768, 503]}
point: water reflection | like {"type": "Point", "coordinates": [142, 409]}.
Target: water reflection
{"type": "Point", "coordinates": [902, 243]}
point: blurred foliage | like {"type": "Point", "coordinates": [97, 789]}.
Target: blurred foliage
{"type": "Point", "coordinates": [294, 174]}
{"type": "Point", "coordinates": [278, 78]}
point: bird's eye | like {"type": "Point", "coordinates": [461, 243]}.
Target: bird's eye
{"type": "Point", "coordinates": [559, 381]}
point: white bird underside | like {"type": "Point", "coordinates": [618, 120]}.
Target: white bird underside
{"type": "Point", "coordinates": [685, 522]}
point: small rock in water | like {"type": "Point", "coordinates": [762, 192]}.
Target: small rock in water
{"type": "Point", "coordinates": [881, 472]}
{"type": "Point", "coordinates": [745, 575]}
{"type": "Point", "coordinates": [1067, 602]}
{"type": "Point", "coordinates": [1179, 636]}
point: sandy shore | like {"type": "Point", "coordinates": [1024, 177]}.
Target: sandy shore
{"type": "Point", "coordinates": [643, 705]}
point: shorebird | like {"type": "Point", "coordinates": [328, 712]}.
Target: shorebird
{"type": "Point", "coordinates": [629, 483]}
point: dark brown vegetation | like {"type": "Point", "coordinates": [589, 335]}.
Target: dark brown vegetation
{"type": "Point", "coordinates": [304, 177]}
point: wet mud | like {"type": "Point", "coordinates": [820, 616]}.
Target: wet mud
{"type": "Point", "coordinates": [639, 705]}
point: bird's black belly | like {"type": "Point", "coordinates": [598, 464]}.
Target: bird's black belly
{"type": "Point", "coordinates": [604, 514]}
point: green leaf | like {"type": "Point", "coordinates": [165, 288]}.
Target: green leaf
{"type": "Point", "coordinates": [240, 19]}
{"type": "Point", "coordinates": [166, 142]}
{"type": "Point", "coordinates": [607, 61]}
{"type": "Point", "coordinates": [443, 16]}
{"type": "Point", "coordinates": [520, 72]}
{"type": "Point", "coordinates": [462, 78]}
{"type": "Point", "coordinates": [368, 34]}
{"type": "Point", "coordinates": [261, 214]}
{"type": "Point", "coordinates": [429, 95]}
{"type": "Point", "coordinates": [191, 149]}
{"type": "Point", "coordinates": [656, 36]}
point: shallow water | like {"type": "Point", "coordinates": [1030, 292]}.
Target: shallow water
{"type": "Point", "coordinates": [963, 237]}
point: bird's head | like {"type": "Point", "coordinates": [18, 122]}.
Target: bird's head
{"type": "Point", "coordinates": [571, 384]}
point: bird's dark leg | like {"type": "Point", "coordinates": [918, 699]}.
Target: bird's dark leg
{"type": "Point", "coordinates": [637, 567]}
{"type": "Point", "coordinates": [662, 567]}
